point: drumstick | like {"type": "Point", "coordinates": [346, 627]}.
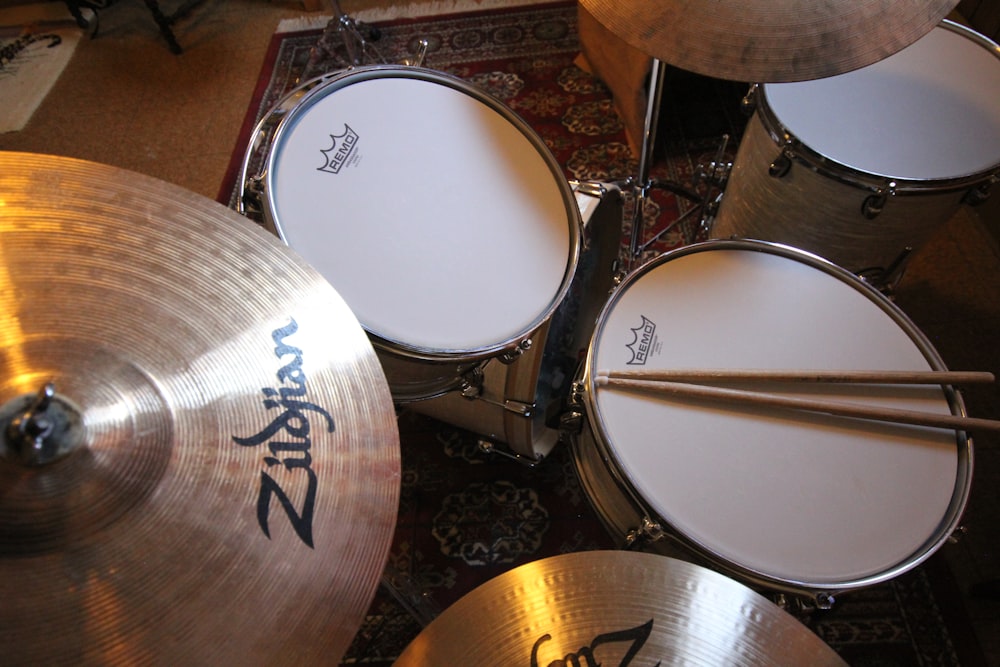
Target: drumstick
{"type": "Point", "coordinates": [786, 375]}
{"type": "Point", "coordinates": [761, 399]}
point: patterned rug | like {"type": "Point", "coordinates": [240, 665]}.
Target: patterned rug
{"type": "Point", "coordinates": [467, 515]}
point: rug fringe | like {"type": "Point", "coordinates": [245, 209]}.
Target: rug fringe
{"type": "Point", "coordinates": [403, 11]}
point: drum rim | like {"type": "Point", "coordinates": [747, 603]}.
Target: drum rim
{"type": "Point", "coordinates": [830, 167]}
{"type": "Point", "coordinates": [950, 519]}
{"type": "Point", "coordinates": [322, 86]}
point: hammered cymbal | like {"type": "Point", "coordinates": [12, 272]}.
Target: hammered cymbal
{"type": "Point", "coordinates": [769, 41]}
{"type": "Point", "coordinates": [230, 490]}
{"type": "Point", "coordinates": [614, 608]}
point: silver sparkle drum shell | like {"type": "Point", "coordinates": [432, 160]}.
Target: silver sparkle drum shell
{"type": "Point", "coordinates": [914, 134]}
{"type": "Point", "coordinates": [439, 215]}
{"type": "Point", "coordinates": [789, 501]}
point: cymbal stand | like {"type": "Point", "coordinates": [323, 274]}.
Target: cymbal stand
{"type": "Point", "coordinates": [643, 183]}
{"type": "Point", "coordinates": [355, 36]}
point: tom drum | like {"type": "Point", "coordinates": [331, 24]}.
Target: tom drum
{"type": "Point", "coordinates": [436, 212]}
{"type": "Point", "coordinates": [785, 500]}
{"type": "Point", "coordinates": [863, 167]}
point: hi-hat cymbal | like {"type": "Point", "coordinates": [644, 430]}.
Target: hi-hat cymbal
{"type": "Point", "coordinates": [211, 474]}
{"type": "Point", "coordinates": [769, 41]}
{"type": "Point", "coordinates": [614, 608]}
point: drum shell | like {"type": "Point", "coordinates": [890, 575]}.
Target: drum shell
{"type": "Point", "coordinates": [416, 371]}
{"type": "Point", "coordinates": [632, 518]}
{"type": "Point", "coordinates": [848, 190]}
{"type": "Point", "coordinates": [822, 211]}
{"type": "Point", "coordinates": [521, 402]}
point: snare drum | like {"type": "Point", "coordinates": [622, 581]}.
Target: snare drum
{"type": "Point", "coordinates": [438, 214]}
{"type": "Point", "coordinates": [786, 500]}
{"type": "Point", "coordinates": [861, 168]}
{"type": "Point", "coordinates": [520, 404]}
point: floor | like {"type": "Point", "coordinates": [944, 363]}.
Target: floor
{"type": "Point", "coordinates": [125, 100]}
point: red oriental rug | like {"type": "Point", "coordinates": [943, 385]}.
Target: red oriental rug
{"type": "Point", "coordinates": [467, 516]}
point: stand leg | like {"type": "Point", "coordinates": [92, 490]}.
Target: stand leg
{"type": "Point", "coordinates": [644, 182]}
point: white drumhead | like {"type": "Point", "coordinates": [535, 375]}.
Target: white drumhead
{"type": "Point", "coordinates": [927, 112]}
{"type": "Point", "coordinates": [444, 227]}
{"type": "Point", "coordinates": [797, 497]}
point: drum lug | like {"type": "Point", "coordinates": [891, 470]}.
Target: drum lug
{"type": "Point", "coordinates": [802, 607]}
{"type": "Point", "coordinates": [957, 535]}
{"type": "Point", "coordinates": [514, 353]}
{"type": "Point", "coordinates": [647, 531]}
{"type": "Point", "coordinates": [874, 204]}
{"type": "Point", "coordinates": [781, 165]}
{"type": "Point", "coordinates": [571, 423]}
{"type": "Point", "coordinates": [471, 383]}
{"type": "Point", "coordinates": [251, 200]}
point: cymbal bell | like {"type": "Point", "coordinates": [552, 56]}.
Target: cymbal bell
{"type": "Point", "coordinates": [610, 608]}
{"type": "Point", "coordinates": [769, 41]}
{"type": "Point", "coordinates": [199, 458]}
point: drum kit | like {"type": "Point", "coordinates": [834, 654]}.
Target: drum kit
{"type": "Point", "coordinates": [200, 461]}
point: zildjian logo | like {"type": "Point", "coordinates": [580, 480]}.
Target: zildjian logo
{"type": "Point", "coordinates": [643, 343]}
{"type": "Point", "coordinates": [338, 154]}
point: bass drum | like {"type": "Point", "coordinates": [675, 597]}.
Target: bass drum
{"type": "Point", "coordinates": [863, 167]}
{"type": "Point", "coordinates": [437, 213]}
{"type": "Point", "coordinates": [520, 404]}
{"type": "Point", "coordinates": [785, 500]}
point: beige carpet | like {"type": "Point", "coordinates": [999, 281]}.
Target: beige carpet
{"type": "Point", "coordinates": [38, 41]}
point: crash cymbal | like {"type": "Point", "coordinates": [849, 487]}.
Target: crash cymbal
{"type": "Point", "coordinates": [199, 459]}
{"type": "Point", "coordinates": [769, 40]}
{"type": "Point", "coordinates": [614, 608]}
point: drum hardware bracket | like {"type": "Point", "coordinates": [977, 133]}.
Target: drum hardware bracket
{"type": "Point", "coordinates": [885, 280]}
{"type": "Point", "coordinates": [875, 203]}
{"type": "Point", "coordinates": [514, 353]}
{"type": "Point", "coordinates": [471, 385]}
{"type": "Point", "coordinates": [800, 606]}
{"type": "Point", "coordinates": [252, 196]}
{"type": "Point", "coordinates": [490, 448]}
{"type": "Point", "coordinates": [646, 532]}
{"type": "Point", "coordinates": [979, 194]}
{"type": "Point", "coordinates": [571, 422]}
{"type": "Point", "coordinates": [782, 164]}
{"type": "Point", "coordinates": [592, 188]}
{"type": "Point", "coordinates": [957, 535]}
{"type": "Point", "coordinates": [517, 408]}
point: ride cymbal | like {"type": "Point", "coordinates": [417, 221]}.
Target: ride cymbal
{"type": "Point", "coordinates": [769, 41]}
{"type": "Point", "coordinates": [614, 608]}
{"type": "Point", "coordinates": [199, 461]}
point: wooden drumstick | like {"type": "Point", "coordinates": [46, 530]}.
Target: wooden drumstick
{"type": "Point", "coordinates": [788, 375]}
{"type": "Point", "coordinates": [761, 399]}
